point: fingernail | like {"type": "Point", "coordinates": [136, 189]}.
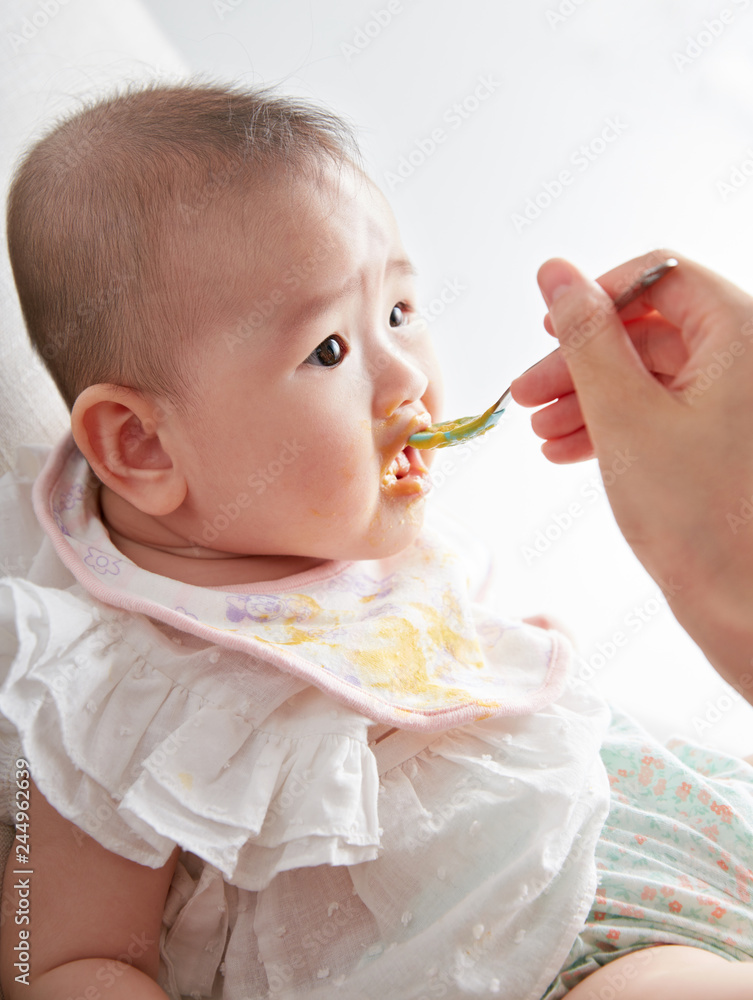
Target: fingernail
{"type": "Point", "coordinates": [554, 277]}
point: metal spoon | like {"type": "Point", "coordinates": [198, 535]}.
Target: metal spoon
{"type": "Point", "coordinates": [452, 432]}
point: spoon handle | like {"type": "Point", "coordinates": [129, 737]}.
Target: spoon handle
{"type": "Point", "coordinates": [633, 292]}
{"type": "Point", "coordinates": [646, 280]}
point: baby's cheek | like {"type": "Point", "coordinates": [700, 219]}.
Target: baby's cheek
{"type": "Point", "coordinates": [334, 464]}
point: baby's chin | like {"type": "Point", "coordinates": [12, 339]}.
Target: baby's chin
{"type": "Point", "coordinates": [387, 536]}
{"type": "Point", "coordinates": [390, 530]}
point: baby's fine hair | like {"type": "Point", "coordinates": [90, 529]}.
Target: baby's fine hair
{"type": "Point", "coordinates": [95, 206]}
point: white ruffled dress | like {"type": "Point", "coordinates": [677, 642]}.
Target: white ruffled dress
{"type": "Point", "coordinates": [380, 787]}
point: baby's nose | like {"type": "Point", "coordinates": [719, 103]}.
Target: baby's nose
{"type": "Point", "coordinates": [402, 382]}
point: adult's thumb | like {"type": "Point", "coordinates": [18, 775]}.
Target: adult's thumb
{"type": "Point", "coordinates": [607, 372]}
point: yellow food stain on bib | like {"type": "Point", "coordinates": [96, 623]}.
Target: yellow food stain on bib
{"type": "Point", "coordinates": [186, 779]}
{"type": "Point", "coordinates": [304, 608]}
{"type": "Point", "coordinates": [298, 636]}
{"type": "Point", "coordinates": [465, 651]}
{"type": "Point", "coordinates": [399, 663]}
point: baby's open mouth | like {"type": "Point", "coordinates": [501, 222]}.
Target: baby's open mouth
{"type": "Point", "coordinates": [406, 473]}
{"type": "Point", "coordinates": [400, 465]}
{"type": "Point", "coordinates": [407, 466]}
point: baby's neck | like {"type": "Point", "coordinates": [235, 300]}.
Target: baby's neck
{"type": "Point", "coordinates": [155, 546]}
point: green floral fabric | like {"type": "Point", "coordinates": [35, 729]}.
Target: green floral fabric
{"type": "Point", "coordinates": [675, 857]}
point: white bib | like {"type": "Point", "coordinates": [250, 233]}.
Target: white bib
{"type": "Point", "coordinates": [398, 639]}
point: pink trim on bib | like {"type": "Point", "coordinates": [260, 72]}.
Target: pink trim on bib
{"type": "Point", "coordinates": [398, 640]}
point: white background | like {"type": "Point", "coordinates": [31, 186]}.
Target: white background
{"type": "Point", "coordinates": [556, 79]}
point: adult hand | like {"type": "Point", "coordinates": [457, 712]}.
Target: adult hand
{"type": "Point", "coordinates": [663, 396]}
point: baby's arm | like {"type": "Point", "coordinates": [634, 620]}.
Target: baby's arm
{"type": "Point", "coordinates": [94, 917]}
{"type": "Point", "coordinates": [668, 972]}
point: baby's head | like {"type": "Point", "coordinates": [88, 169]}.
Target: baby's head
{"type": "Point", "coordinates": [223, 299]}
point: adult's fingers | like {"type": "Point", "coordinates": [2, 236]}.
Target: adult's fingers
{"type": "Point", "coordinates": [605, 367]}
{"type": "Point", "coordinates": [544, 381]}
{"type": "Point", "coordinates": [624, 276]}
{"type": "Point", "coordinates": [572, 448]}
{"type": "Point", "coordinates": [659, 345]}
{"type": "Point", "coordinates": [691, 298]}
{"type": "Point", "coordinates": [559, 419]}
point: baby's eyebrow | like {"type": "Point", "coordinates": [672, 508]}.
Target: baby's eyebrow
{"type": "Point", "coordinates": [313, 307]}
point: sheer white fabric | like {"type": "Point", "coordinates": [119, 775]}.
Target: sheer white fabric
{"type": "Point", "coordinates": [321, 851]}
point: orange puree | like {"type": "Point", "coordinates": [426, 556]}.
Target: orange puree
{"type": "Point", "coordinates": [454, 430]}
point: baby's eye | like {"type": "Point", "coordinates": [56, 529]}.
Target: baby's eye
{"type": "Point", "coordinates": [399, 314]}
{"type": "Point", "coordinates": [328, 354]}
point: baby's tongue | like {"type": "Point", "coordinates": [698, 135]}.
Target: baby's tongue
{"type": "Point", "coordinates": [401, 465]}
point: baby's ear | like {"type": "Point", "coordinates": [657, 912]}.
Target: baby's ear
{"type": "Point", "coordinates": [123, 436]}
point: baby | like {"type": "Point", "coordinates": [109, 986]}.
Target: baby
{"type": "Point", "coordinates": [276, 744]}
